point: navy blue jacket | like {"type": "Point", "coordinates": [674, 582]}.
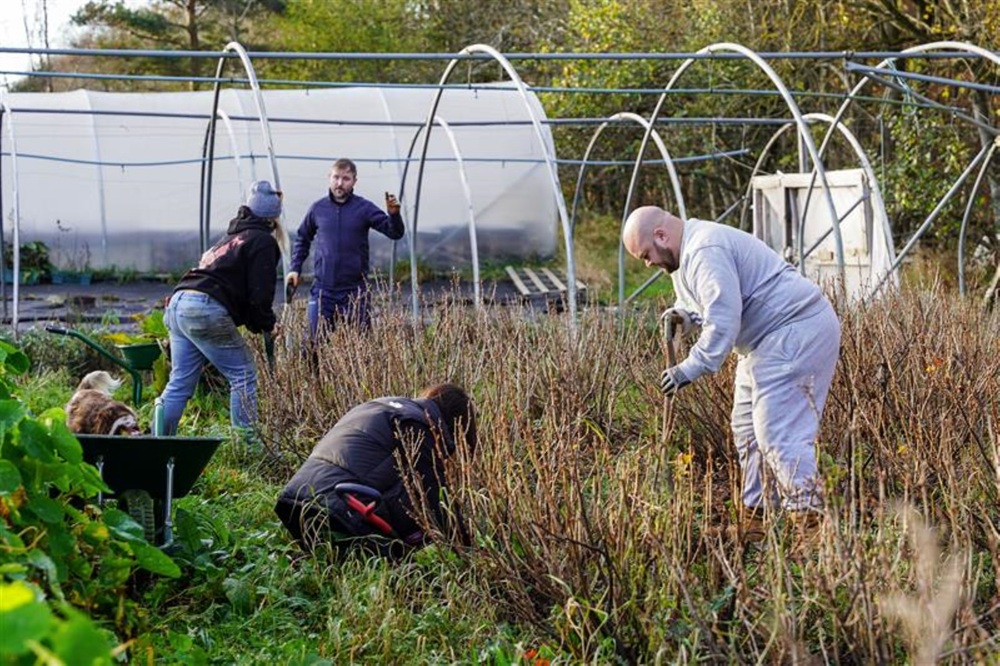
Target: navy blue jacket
{"type": "Point", "coordinates": [341, 260]}
{"type": "Point", "coordinates": [362, 448]}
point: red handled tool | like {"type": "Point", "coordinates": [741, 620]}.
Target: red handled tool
{"type": "Point", "coordinates": [366, 511]}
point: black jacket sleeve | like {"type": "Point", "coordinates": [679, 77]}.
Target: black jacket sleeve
{"type": "Point", "coordinates": [262, 266]}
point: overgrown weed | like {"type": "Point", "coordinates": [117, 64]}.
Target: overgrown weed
{"type": "Point", "coordinates": [590, 519]}
{"type": "Point", "coordinates": [593, 529]}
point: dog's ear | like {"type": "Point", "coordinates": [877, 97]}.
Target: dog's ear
{"type": "Point", "coordinates": [100, 380]}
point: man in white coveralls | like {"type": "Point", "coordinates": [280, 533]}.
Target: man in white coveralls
{"type": "Point", "coordinates": [747, 299]}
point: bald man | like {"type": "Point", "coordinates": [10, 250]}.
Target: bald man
{"type": "Point", "coordinates": [745, 298]}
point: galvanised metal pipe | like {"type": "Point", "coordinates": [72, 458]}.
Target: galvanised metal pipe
{"type": "Point", "coordinates": [968, 214]}
{"type": "Point", "coordinates": [664, 153]}
{"type": "Point", "coordinates": [804, 134]}
{"type": "Point", "coordinates": [283, 239]}
{"type": "Point", "coordinates": [284, 55]}
{"type": "Point", "coordinates": [550, 161]}
{"type": "Point", "coordinates": [987, 150]}
{"type": "Point", "coordinates": [16, 268]}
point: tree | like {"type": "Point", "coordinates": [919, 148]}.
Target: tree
{"type": "Point", "coordinates": [904, 23]}
{"type": "Point", "coordinates": [193, 25]}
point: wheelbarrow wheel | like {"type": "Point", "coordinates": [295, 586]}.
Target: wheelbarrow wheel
{"type": "Point", "coordinates": [141, 507]}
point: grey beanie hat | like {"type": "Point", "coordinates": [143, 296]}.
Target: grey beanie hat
{"type": "Point", "coordinates": [264, 201]}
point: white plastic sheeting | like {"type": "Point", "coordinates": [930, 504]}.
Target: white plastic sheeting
{"type": "Point", "coordinates": [123, 189]}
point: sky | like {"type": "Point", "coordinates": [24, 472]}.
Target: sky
{"type": "Point", "coordinates": [12, 32]}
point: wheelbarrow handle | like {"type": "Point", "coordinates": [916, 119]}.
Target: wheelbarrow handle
{"type": "Point", "coordinates": [136, 377]}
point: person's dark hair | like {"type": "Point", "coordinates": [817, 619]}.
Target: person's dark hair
{"type": "Point", "coordinates": [344, 164]}
{"type": "Point", "coordinates": [456, 408]}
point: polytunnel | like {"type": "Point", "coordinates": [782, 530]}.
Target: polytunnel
{"type": "Point", "coordinates": [112, 179]}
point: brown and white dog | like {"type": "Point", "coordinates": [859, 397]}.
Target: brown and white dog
{"type": "Point", "coordinates": [92, 411]}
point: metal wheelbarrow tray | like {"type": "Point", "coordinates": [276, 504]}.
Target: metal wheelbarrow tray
{"type": "Point", "coordinates": [148, 473]}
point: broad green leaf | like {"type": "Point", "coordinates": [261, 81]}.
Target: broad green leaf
{"type": "Point", "coordinates": [11, 411]}
{"type": "Point", "coordinates": [61, 543]}
{"type": "Point", "coordinates": [16, 360]}
{"type": "Point", "coordinates": [66, 443]}
{"type": "Point", "coordinates": [54, 472]}
{"type": "Point", "coordinates": [81, 479]}
{"type": "Point", "coordinates": [8, 537]}
{"type": "Point", "coordinates": [80, 641]}
{"type": "Point", "coordinates": [123, 526]}
{"type": "Point", "coordinates": [185, 650]}
{"type": "Point", "coordinates": [96, 532]}
{"type": "Point", "coordinates": [239, 594]}
{"type": "Point", "coordinates": [155, 560]}
{"type": "Point", "coordinates": [12, 569]}
{"type": "Point", "coordinates": [23, 618]}
{"type": "Point", "coordinates": [36, 440]}
{"type": "Point", "coordinates": [186, 529]}
{"type": "Point", "coordinates": [115, 571]}
{"type": "Point", "coordinates": [10, 478]}
{"type": "Point", "coordinates": [38, 559]}
{"type": "Point", "coordinates": [15, 595]}
{"type": "Point", "coordinates": [47, 509]}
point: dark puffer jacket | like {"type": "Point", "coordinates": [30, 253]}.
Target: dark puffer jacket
{"type": "Point", "coordinates": [362, 448]}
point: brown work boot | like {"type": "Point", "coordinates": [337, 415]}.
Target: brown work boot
{"type": "Point", "coordinates": [807, 528]}
{"type": "Point", "coordinates": [748, 528]}
{"type": "Point", "coordinates": [751, 526]}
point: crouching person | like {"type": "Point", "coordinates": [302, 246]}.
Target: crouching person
{"type": "Point", "coordinates": [355, 487]}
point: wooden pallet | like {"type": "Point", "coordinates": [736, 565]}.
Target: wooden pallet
{"type": "Point", "coordinates": [540, 284]}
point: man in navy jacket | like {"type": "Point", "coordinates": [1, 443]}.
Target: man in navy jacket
{"type": "Point", "coordinates": [339, 224]}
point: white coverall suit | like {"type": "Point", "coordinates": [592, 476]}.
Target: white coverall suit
{"type": "Point", "coordinates": [787, 336]}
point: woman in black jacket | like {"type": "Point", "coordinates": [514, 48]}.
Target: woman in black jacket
{"type": "Point", "coordinates": [232, 286]}
{"type": "Point", "coordinates": [359, 482]}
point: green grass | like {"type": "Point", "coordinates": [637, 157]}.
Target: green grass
{"type": "Point", "coordinates": [592, 515]}
{"type": "Point", "coordinates": [596, 244]}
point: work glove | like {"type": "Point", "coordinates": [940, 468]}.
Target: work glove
{"type": "Point", "coordinates": [673, 380]}
{"type": "Point", "coordinates": [292, 280]}
{"type": "Point", "coordinates": [678, 318]}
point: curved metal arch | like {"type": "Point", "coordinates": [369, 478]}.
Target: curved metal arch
{"type": "Point", "coordinates": [971, 49]}
{"type": "Point", "coordinates": [550, 163]}
{"type": "Point", "coordinates": [984, 155]}
{"type": "Point", "coordinates": [473, 242]}
{"type": "Point", "coordinates": [231, 132]}
{"type": "Point", "coordinates": [800, 123]}
{"type": "Point", "coordinates": [16, 241]}
{"type": "Point", "coordinates": [664, 153]}
{"type": "Point", "coordinates": [467, 191]}
{"type": "Point", "coordinates": [965, 218]}
{"type": "Point", "coordinates": [101, 198]}
{"type": "Point", "coordinates": [209, 148]}
{"type": "Point", "coordinates": [400, 171]}
{"type": "Point", "coordinates": [878, 201]}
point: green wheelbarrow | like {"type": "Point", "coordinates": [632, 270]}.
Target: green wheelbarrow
{"type": "Point", "coordinates": [136, 357]}
{"type": "Point", "coordinates": [147, 473]}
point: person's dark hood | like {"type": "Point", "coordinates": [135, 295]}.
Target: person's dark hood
{"type": "Point", "coordinates": [245, 219]}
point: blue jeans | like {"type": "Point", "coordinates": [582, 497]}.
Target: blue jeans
{"type": "Point", "coordinates": [201, 330]}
